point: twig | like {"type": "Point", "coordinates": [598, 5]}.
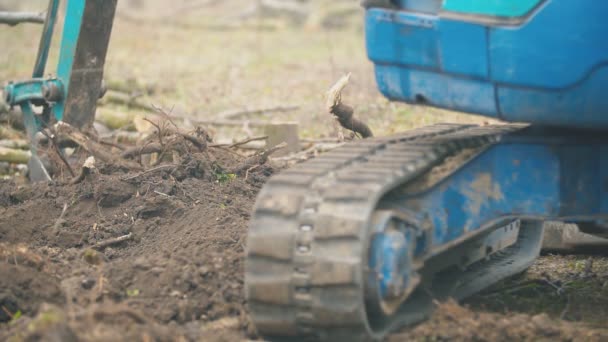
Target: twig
{"type": "Point", "coordinates": [557, 288]}
{"type": "Point", "coordinates": [320, 140]}
{"type": "Point", "coordinates": [200, 144]}
{"type": "Point", "coordinates": [165, 114]}
{"type": "Point", "coordinates": [87, 169]}
{"type": "Point", "coordinates": [105, 243]}
{"type": "Point", "coordinates": [224, 148]}
{"type": "Point", "coordinates": [241, 142]}
{"type": "Point", "coordinates": [60, 218]}
{"type": "Point", "coordinates": [111, 144]}
{"type": "Point", "coordinates": [257, 159]}
{"type": "Point", "coordinates": [139, 150]}
{"type": "Point", "coordinates": [93, 147]}
{"type": "Point", "coordinates": [334, 94]}
{"type": "Point", "coordinates": [150, 171]}
{"type": "Point", "coordinates": [249, 170]}
{"type": "Point", "coordinates": [6, 311]}
{"type": "Point", "coordinates": [123, 136]}
{"type": "Point", "coordinates": [160, 132]}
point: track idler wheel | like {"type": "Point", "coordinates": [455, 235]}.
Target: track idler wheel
{"type": "Point", "coordinates": [392, 276]}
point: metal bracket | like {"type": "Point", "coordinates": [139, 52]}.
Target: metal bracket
{"type": "Point", "coordinates": [38, 91]}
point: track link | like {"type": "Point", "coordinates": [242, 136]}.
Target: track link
{"type": "Point", "coordinates": [307, 244]}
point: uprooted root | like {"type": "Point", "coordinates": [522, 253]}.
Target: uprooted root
{"type": "Point", "coordinates": [169, 145]}
{"type": "Point", "coordinates": [343, 113]}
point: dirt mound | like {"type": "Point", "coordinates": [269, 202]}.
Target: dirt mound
{"type": "Point", "coordinates": [178, 267]}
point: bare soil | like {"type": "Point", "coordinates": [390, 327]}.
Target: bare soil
{"type": "Point", "coordinates": [181, 275]}
{"type": "Point", "coordinates": [182, 269]}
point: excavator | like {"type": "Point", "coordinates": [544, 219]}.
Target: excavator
{"type": "Point", "coordinates": [366, 238]}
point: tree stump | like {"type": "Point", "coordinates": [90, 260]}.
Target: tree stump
{"type": "Point", "coordinates": [286, 132]}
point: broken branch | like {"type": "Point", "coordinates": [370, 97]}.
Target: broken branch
{"type": "Point", "coordinates": [14, 18]}
{"type": "Point", "coordinates": [87, 169]}
{"type": "Point", "coordinates": [169, 166]}
{"type": "Point", "coordinates": [92, 146]}
{"type": "Point", "coordinates": [258, 159]}
{"type": "Point", "coordinates": [109, 242]}
{"type": "Point", "coordinates": [139, 150]}
{"type": "Point", "coordinates": [60, 218]}
{"type": "Point", "coordinates": [241, 142]}
{"type": "Point", "coordinates": [345, 113]}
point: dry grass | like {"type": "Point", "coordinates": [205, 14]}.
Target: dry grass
{"type": "Point", "coordinates": [200, 69]}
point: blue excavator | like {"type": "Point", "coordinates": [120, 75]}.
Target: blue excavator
{"type": "Point", "coordinates": [364, 239]}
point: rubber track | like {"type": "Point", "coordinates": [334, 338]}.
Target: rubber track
{"type": "Point", "coordinates": [306, 249]}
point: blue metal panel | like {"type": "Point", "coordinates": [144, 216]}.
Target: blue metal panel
{"type": "Point", "coordinates": [436, 89]}
{"type": "Point", "coordinates": [581, 189]}
{"type": "Point", "coordinates": [422, 41]}
{"type": "Point", "coordinates": [468, 56]}
{"type": "Point", "coordinates": [544, 179]}
{"type": "Point", "coordinates": [483, 191]}
{"type": "Point", "coordinates": [389, 258]}
{"type": "Point", "coordinates": [551, 69]}
{"type": "Point", "coordinates": [560, 46]}
{"type": "Point", "coordinates": [402, 38]}
{"type": "Point", "coordinates": [584, 105]}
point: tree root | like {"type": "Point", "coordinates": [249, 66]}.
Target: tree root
{"type": "Point", "coordinates": [93, 147]}
{"type": "Point", "coordinates": [343, 113]}
{"type": "Point", "coordinates": [256, 160]}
